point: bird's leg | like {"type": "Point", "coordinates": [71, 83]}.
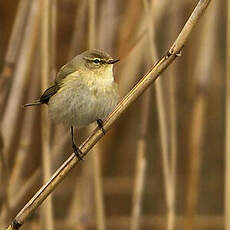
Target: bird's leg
{"type": "Point", "coordinates": [76, 150]}
{"type": "Point", "coordinates": [100, 125]}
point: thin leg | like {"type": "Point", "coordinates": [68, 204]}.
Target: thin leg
{"type": "Point", "coordinates": [76, 150]}
{"type": "Point", "coordinates": [100, 125]}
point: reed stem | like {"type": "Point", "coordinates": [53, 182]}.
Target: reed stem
{"type": "Point", "coordinates": [97, 134]}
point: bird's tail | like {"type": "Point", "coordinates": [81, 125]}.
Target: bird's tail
{"type": "Point", "coordinates": [38, 102]}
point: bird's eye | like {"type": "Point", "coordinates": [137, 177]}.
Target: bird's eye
{"type": "Point", "coordinates": [96, 61]}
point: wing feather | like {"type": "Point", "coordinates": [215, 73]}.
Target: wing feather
{"type": "Point", "coordinates": [64, 72]}
{"type": "Point", "coordinates": [49, 93]}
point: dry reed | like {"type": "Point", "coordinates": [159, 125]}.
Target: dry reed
{"type": "Point", "coordinates": [78, 31]}
{"type": "Point", "coordinates": [172, 216]}
{"type": "Point", "coordinates": [129, 21]}
{"type": "Point", "coordinates": [4, 205]}
{"type": "Point", "coordinates": [19, 82]}
{"type": "Point", "coordinates": [16, 177]}
{"type": "Point", "coordinates": [202, 74]}
{"type": "Point", "coordinates": [13, 48]}
{"type": "Point", "coordinates": [47, 209]}
{"type": "Point", "coordinates": [227, 129]}
{"type": "Point", "coordinates": [95, 161]}
{"type": "Point", "coordinates": [164, 62]}
{"type": "Point", "coordinates": [140, 172]}
{"type": "Point", "coordinates": [163, 124]}
{"type": "Point", "coordinates": [12, 109]}
{"type": "Point", "coordinates": [15, 40]}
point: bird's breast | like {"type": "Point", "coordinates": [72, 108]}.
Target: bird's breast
{"type": "Point", "coordinates": [81, 101]}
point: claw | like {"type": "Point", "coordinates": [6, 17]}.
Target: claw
{"type": "Point", "coordinates": [77, 152]}
{"type": "Point", "coordinates": [100, 125]}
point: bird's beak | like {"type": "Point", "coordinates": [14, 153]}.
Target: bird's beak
{"type": "Point", "coordinates": [113, 61]}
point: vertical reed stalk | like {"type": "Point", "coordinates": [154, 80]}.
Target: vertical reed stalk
{"type": "Point", "coordinates": [107, 28]}
{"type": "Point", "coordinates": [140, 172]}
{"type": "Point", "coordinates": [173, 149]}
{"type": "Point", "coordinates": [97, 177]}
{"type": "Point", "coordinates": [78, 32]}
{"type": "Point", "coordinates": [100, 210]}
{"type": "Point", "coordinates": [78, 207]}
{"type": "Point", "coordinates": [28, 187]}
{"type": "Point", "coordinates": [10, 116]}
{"type": "Point", "coordinates": [227, 126]}
{"type": "Point", "coordinates": [202, 73]}
{"type": "Point", "coordinates": [13, 48]}
{"type": "Point", "coordinates": [80, 210]}
{"type": "Point", "coordinates": [23, 66]}
{"type": "Point", "coordinates": [4, 197]}
{"type": "Point", "coordinates": [92, 24]}
{"type": "Point", "coordinates": [129, 20]}
{"type": "Point", "coordinates": [173, 132]}
{"type": "Point", "coordinates": [163, 123]}
{"type": "Point", "coordinates": [130, 49]}
{"type": "Point", "coordinates": [58, 146]}
{"type": "Point", "coordinates": [15, 38]}
{"type": "Point", "coordinates": [47, 209]}
{"type": "Point", "coordinates": [53, 37]}
{"type": "Point", "coordinates": [19, 167]}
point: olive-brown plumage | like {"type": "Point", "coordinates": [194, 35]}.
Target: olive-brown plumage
{"type": "Point", "coordinates": [84, 91]}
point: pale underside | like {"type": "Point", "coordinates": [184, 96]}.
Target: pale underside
{"type": "Point", "coordinates": [83, 99]}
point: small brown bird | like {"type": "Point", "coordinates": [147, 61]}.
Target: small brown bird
{"type": "Point", "coordinates": [84, 91]}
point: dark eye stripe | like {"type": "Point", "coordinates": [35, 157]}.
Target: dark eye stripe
{"type": "Point", "coordinates": [96, 61]}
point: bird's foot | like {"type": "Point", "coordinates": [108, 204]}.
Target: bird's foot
{"type": "Point", "coordinates": [77, 152]}
{"type": "Point", "coordinates": [100, 125]}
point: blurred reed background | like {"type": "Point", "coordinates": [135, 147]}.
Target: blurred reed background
{"type": "Point", "coordinates": [165, 164]}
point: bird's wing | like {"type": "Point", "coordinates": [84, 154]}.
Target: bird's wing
{"type": "Point", "coordinates": [49, 93]}
{"type": "Point", "coordinates": [64, 72]}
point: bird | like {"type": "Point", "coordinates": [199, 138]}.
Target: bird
{"type": "Point", "coordinates": [84, 91]}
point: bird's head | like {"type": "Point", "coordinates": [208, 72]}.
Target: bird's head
{"type": "Point", "coordinates": [96, 60]}
{"type": "Point", "coordinates": [89, 63]}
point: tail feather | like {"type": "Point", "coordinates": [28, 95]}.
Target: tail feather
{"type": "Point", "coordinates": [33, 103]}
